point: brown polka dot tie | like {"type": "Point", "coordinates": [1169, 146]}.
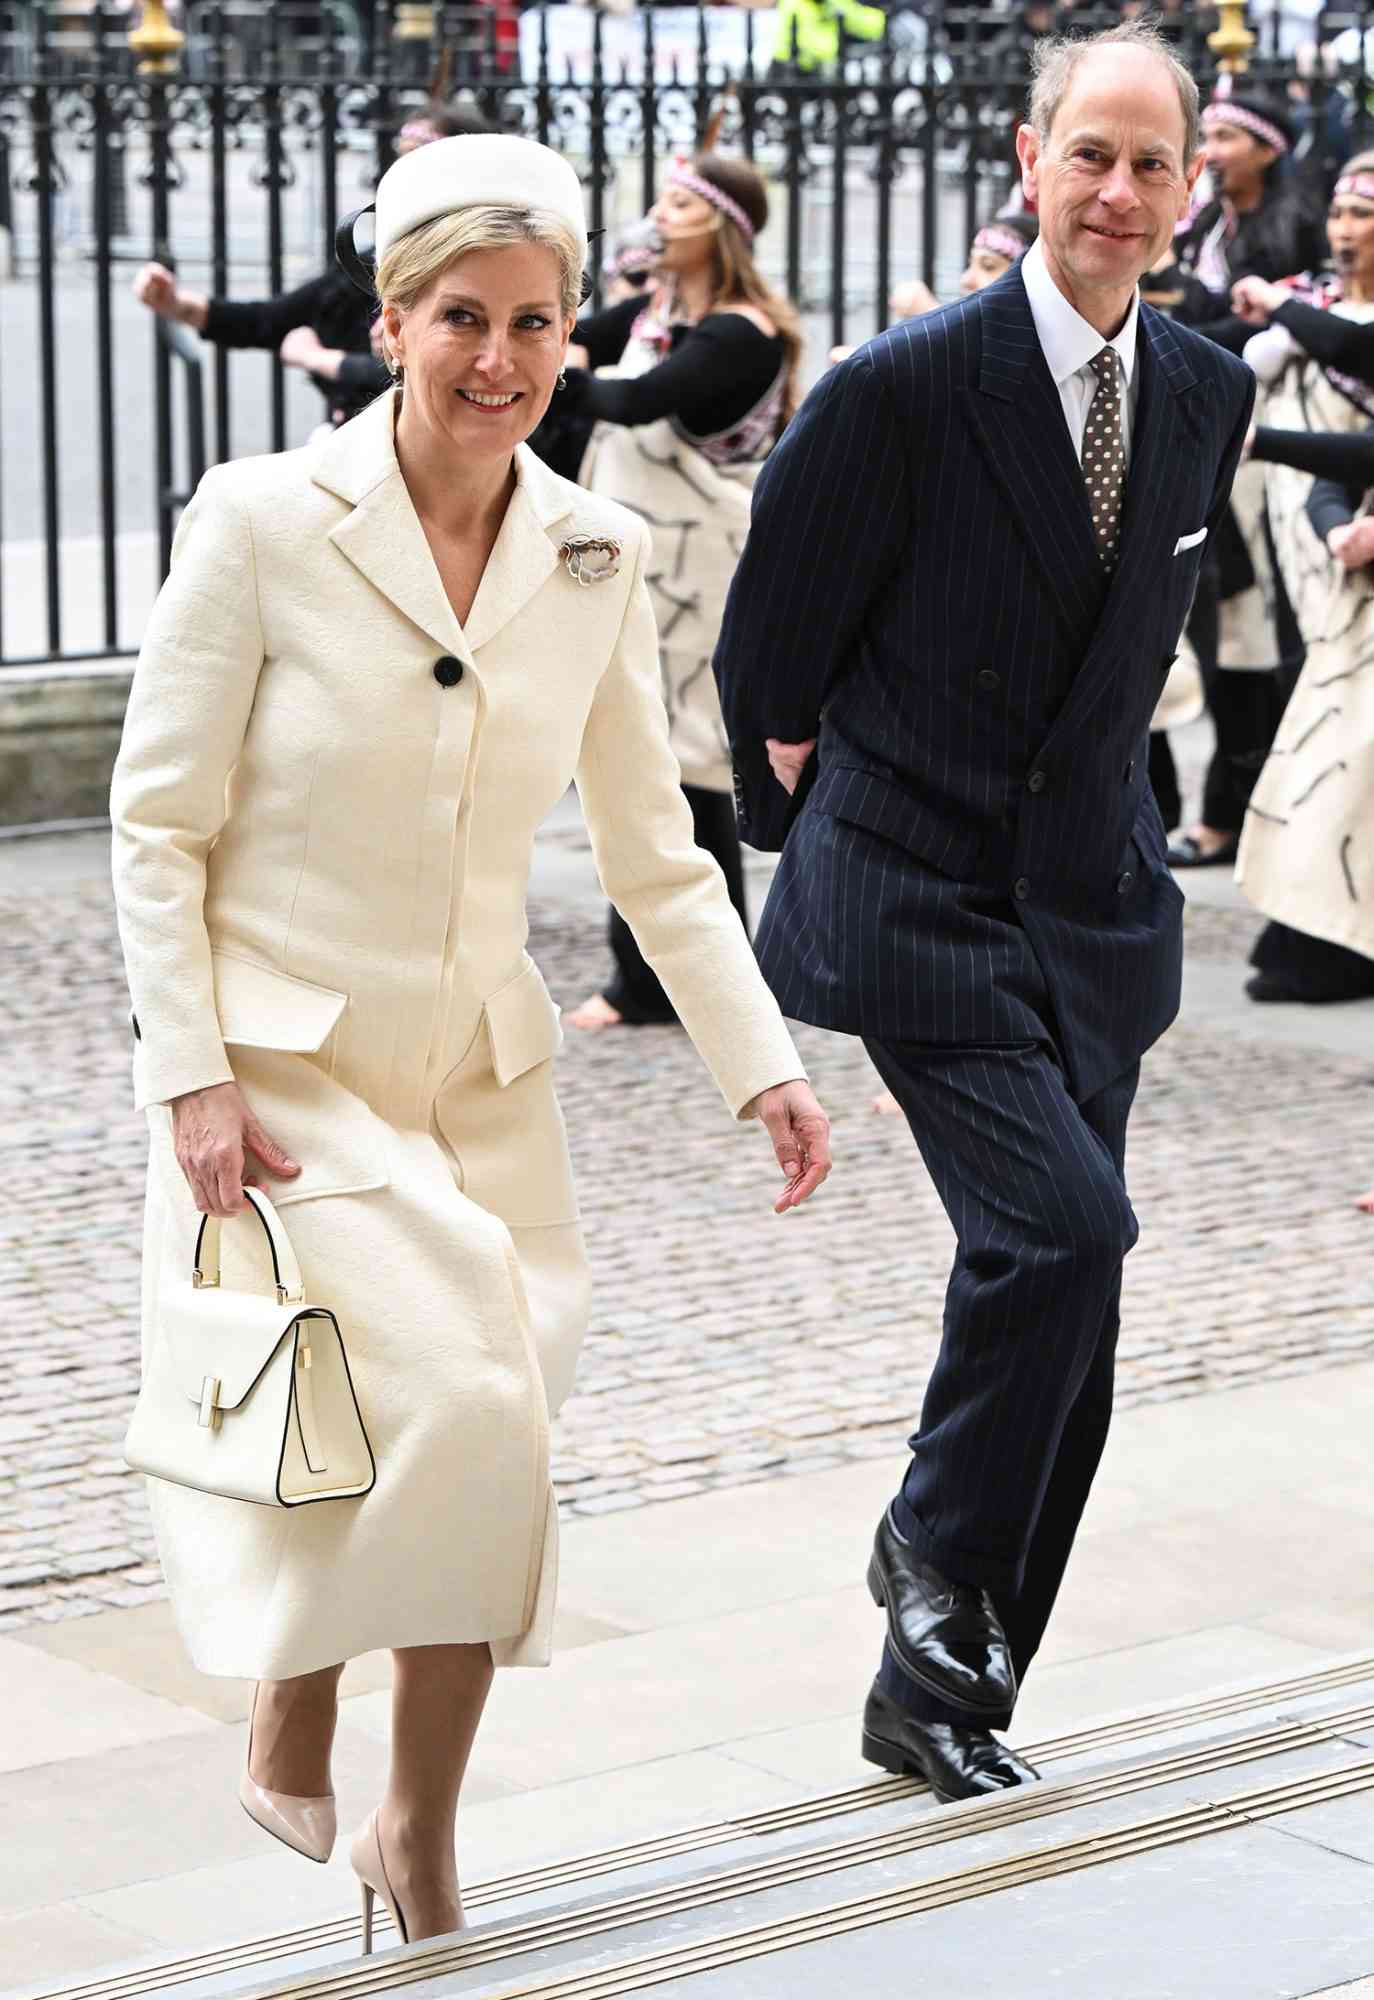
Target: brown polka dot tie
{"type": "Point", "coordinates": [1104, 458]}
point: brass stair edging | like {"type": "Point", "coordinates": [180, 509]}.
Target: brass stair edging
{"type": "Point", "coordinates": [635, 1975]}
{"type": "Point", "coordinates": [691, 1840]}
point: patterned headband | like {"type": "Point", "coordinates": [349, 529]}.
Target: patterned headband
{"type": "Point", "coordinates": [1224, 112]}
{"type": "Point", "coordinates": [683, 177]}
{"type": "Point", "coordinates": [1360, 185]}
{"type": "Point", "coordinates": [1001, 242]}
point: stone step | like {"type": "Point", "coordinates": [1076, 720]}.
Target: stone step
{"type": "Point", "coordinates": [784, 1900]}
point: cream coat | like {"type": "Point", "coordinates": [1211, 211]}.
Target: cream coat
{"type": "Point", "coordinates": [320, 860]}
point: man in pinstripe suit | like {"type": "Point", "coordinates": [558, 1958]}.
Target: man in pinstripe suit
{"type": "Point", "coordinates": [970, 560]}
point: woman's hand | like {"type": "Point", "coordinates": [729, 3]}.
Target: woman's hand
{"type": "Point", "coordinates": [910, 299]}
{"type": "Point", "coordinates": [800, 1132]}
{"type": "Point", "coordinates": [788, 760]}
{"type": "Point", "coordinates": [1256, 301]}
{"type": "Point", "coordinates": [156, 287]}
{"type": "Point", "coordinates": [303, 348]}
{"type": "Point", "coordinates": [217, 1140]}
{"type": "Point", "coordinates": [1353, 544]}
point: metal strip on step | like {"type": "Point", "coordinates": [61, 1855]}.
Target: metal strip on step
{"type": "Point", "coordinates": [693, 1840]}
{"type": "Point", "coordinates": [637, 1974]}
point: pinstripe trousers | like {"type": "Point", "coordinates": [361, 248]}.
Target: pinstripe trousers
{"type": "Point", "coordinates": [1019, 1402]}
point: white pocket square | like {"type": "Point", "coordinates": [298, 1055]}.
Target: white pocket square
{"type": "Point", "coordinates": [1189, 541]}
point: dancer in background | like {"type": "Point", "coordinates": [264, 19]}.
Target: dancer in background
{"type": "Point", "coordinates": [1257, 221]}
{"type": "Point", "coordinates": [995, 248]}
{"type": "Point", "coordinates": [698, 382]}
{"type": "Point", "coordinates": [1307, 853]}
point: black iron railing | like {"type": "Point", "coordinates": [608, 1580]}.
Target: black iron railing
{"type": "Point", "coordinates": [234, 169]}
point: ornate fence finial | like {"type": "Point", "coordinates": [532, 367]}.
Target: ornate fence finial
{"type": "Point", "coordinates": [413, 23]}
{"type": "Point", "coordinates": [156, 41]}
{"type": "Point", "coordinates": [1231, 42]}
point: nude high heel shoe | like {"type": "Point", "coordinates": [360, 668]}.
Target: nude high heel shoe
{"type": "Point", "coordinates": [370, 1870]}
{"type": "Point", "coordinates": [307, 1825]}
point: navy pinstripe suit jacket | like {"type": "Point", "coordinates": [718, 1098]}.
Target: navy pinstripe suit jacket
{"type": "Point", "coordinates": [920, 588]}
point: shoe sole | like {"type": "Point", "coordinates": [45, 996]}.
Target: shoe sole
{"type": "Point", "coordinates": [890, 1757]}
{"type": "Point", "coordinates": [923, 1680]}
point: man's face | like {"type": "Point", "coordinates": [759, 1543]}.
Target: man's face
{"type": "Point", "coordinates": [1109, 180]}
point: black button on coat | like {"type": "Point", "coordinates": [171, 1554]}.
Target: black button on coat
{"type": "Point", "coordinates": [448, 671]}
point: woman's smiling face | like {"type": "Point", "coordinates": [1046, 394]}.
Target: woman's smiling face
{"type": "Point", "coordinates": [483, 345]}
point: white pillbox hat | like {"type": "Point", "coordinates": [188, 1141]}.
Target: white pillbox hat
{"type": "Point", "coordinates": [485, 167]}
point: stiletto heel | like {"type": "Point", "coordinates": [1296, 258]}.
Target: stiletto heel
{"type": "Point", "coordinates": [370, 1870]}
{"type": "Point", "coordinates": [307, 1826]}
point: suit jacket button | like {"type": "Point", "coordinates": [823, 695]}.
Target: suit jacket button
{"type": "Point", "coordinates": [448, 671]}
{"type": "Point", "coordinates": [1036, 782]}
{"type": "Point", "coordinates": [1129, 772]}
{"type": "Point", "coordinates": [1020, 888]}
{"type": "Point", "coordinates": [1124, 881]}
{"type": "Point", "coordinates": [988, 681]}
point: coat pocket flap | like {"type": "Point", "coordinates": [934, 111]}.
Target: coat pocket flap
{"type": "Point", "coordinates": [225, 1336]}
{"type": "Point", "coordinates": [522, 1025]}
{"type": "Point", "coordinates": [879, 805]}
{"type": "Point", "coordinates": [262, 1008]}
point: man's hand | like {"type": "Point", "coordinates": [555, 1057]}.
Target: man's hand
{"type": "Point", "coordinates": [800, 1132]}
{"type": "Point", "coordinates": [1353, 544]}
{"type": "Point", "coordinates": [1256, 301]}
{"type": "Point", "coordinates": [215, 1132]}
{"type": "Point", "coordinates": [788, 761]}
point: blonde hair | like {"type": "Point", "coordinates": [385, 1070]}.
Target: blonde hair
{"type": "Point", "coordinates": [416, 259]}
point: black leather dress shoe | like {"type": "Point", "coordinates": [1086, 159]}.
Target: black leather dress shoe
{"type": "Point", "coordinates": [955, 1763]}
{"type": "Point", "coordinates": [945, 1636]}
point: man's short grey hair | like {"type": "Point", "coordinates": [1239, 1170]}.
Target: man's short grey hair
{"type": "Point", "coordinates": [1057, 57]}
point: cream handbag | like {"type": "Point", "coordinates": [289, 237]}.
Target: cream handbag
{"type": "Point", "coordinates": [247, 1396]}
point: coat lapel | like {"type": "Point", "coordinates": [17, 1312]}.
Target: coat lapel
{"type": "Point", "coordinates": [1019, 421]}
{"type": "Point", "coordinates": [382, 536]}
{"type": "Point", "coordinates": [1164, 444]}
{"type": "Point", "coordinates": [383, 539]}
{"type": "Point", "coordinates": [526, 552]}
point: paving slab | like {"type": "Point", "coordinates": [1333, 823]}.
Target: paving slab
{"type": "Point", "coordinates": [723, 1353]}
{"type": "Point", "coordinates": [1243, 1916]}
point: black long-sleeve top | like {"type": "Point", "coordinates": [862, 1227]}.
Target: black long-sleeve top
{"type": "Point", "coordinates": [1283, 236]}
{"type": "Point", "coordinates": [339, 314]}
{"type": "Point", "coordinates": [1331, 505]}
{"type": "Point", "coordinates": [712, 377]}
{"type": "Point", "coordinates": [1346, 345]}
{"type": "Point", "coordinates": [1347, 457]}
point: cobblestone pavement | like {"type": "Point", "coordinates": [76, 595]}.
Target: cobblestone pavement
{"type": "Point", "coordinates": [728, 1345]}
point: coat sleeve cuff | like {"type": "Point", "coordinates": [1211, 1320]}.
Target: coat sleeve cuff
{"type": "Point", "coordinates": [171, 1065]}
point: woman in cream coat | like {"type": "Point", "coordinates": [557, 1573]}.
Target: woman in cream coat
{"type": "Point", "coordinates": [374, 669]}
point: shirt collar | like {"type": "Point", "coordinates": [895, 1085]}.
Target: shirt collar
{"type": "Point", "coordinates": [1067, 341]}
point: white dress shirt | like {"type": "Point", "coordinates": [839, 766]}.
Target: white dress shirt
{"type": "Point", "coordinates": [1069, 346]}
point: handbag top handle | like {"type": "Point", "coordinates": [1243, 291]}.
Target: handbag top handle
{"type": "Point", "coordinates": [285, 1270]}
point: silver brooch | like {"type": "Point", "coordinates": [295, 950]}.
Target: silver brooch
{"type": "Point", "coordinates": [590, 559]}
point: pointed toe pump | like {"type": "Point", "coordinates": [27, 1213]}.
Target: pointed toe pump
{"type": "Point", "coordinates": [307, 1825]}
{"type": "Point", "coordinates": [370, 1870]}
